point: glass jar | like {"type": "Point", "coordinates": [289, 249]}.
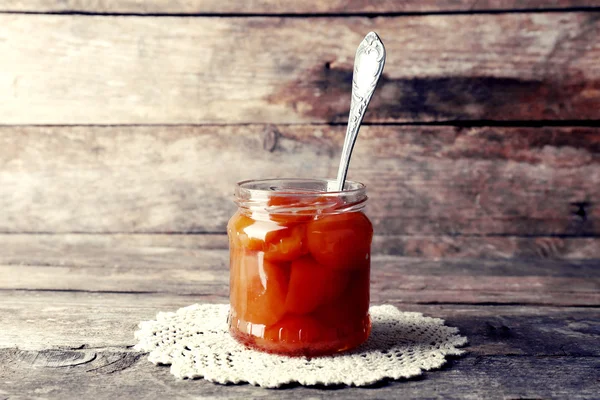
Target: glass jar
{"type": "Point", "coordinates": [299, 266]}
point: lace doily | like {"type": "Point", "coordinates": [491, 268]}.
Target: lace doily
{"type": "Point", "coordinates": [196, 343]}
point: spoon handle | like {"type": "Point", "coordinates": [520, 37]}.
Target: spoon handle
{"type": "Point", "coordinates": [368, 65]}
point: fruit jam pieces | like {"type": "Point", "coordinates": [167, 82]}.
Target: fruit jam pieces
{"type": "Point", "coordinates": [300, 282]}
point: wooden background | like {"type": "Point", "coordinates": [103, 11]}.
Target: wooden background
{"type": "Point", "coordinates": [134, 119]}
{"type": "Point", "coordinates": [125, 124]}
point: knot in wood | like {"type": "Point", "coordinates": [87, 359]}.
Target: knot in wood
{"type": "Point", "coordinates": [270, 138]}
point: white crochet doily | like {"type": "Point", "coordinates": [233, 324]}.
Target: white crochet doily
{"type": "Point", "coordinates": [196, 343]}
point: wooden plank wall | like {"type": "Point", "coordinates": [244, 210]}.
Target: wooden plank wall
{"type": "Point", "coordinates": [136, 118]}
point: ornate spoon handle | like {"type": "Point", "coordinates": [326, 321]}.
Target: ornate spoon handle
{"type": "Point", "coordinates": [368, 65]}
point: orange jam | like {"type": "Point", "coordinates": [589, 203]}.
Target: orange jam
{"type": "Point", "coordinates": [299, 267]}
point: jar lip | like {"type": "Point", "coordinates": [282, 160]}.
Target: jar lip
{"type": "Point", "coordinates": [293, 196]}
{"type": "Point", "coordinates": [295, 187]}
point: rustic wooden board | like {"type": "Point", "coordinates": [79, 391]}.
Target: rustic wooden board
{"type": "Point", "coordinates": [279, 7]}
{"type": "Point", "coordinates": [113, 375]}
{"type": "Point", "coordinates": [130, 267]}
{"type": "Point", "coordinates": [34, 320]}
{"type": "Point", "coordinates": [422, 180]}
{"type": "Point", "coordinates": [70, 344]}
{"type": "Point", "coordinates": [66, 341]}
{"type": "Point", "coordinates": [480, 247]}
{"type": "Point", "coordinates": [75, 69]}
{"type": "Point", "coordinates": [400, 286]}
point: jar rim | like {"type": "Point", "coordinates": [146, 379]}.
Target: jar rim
{"type": "Point", "coordinates": [297, 187]}
{"type": "Point", "coordinates": [258, 195]}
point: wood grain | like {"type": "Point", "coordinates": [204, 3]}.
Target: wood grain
{"type": "Point", "coordinates": [138, 267]}
{"type": "Point", "coordinates": [422, 180]}
{"type": "Point", "coordinates": [469, 378]}
{"type": "Point", "coordinates": [58, 249]}
{"type": "Point", "coordinates": [482, 247]}
{"type": "Point", "coordinates": [401, 286]}
{"type": "Point", "coordinates": [37, 321]}
{"type": "Point", "coordinates": [76, 69]}
{"type": "Point", "coordinates": [271, 7]}
{"type": "Point", "coordinates": [500, 223]}
{"type": "Point", "coordinates": [69, 340]}
{"type": "Point", "coordinates": [72, 343]}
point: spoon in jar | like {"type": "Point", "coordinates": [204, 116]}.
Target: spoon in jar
{"type": "Point", "coordinates": [368, 65]}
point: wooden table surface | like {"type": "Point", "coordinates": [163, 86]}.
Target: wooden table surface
{"type": "Point", "coordinates": [69, 307]}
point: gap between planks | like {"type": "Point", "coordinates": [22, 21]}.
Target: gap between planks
{"type": "Point", "coordinates": [158, 8]}
{"type": "Point", "coordinates": [477, 123]}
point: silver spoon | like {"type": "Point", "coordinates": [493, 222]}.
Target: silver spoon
{"type": "Point", "coordinates": [368, 65]}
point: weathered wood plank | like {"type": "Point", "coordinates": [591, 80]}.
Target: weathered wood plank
{"type": "Point", "coordinates": [402, 280]}
{"type": "Point", "coordinates": [75, 69]}
{"type": "Point", "coordinates": [401, 287]}
{"type": "Point", "coordinates": [127, 375]}
{"type": "Point", "coordinates": [279, 7]}
{"type": "Point", "coordinates": [57, 249]}
{"type": "Point", "coordinates": [71, 320]}
{"type": "Point", "coordinates": [507, 345]}
{"type": "Point", "coordinates": [139, 268]}
{"type": "Point", "coordinates": [477, 247]}
{"type": "Point", "coordinates": [422, 180]}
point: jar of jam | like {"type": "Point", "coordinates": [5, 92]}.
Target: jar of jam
{"type": "Point", "coordinates": [299, 267]}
